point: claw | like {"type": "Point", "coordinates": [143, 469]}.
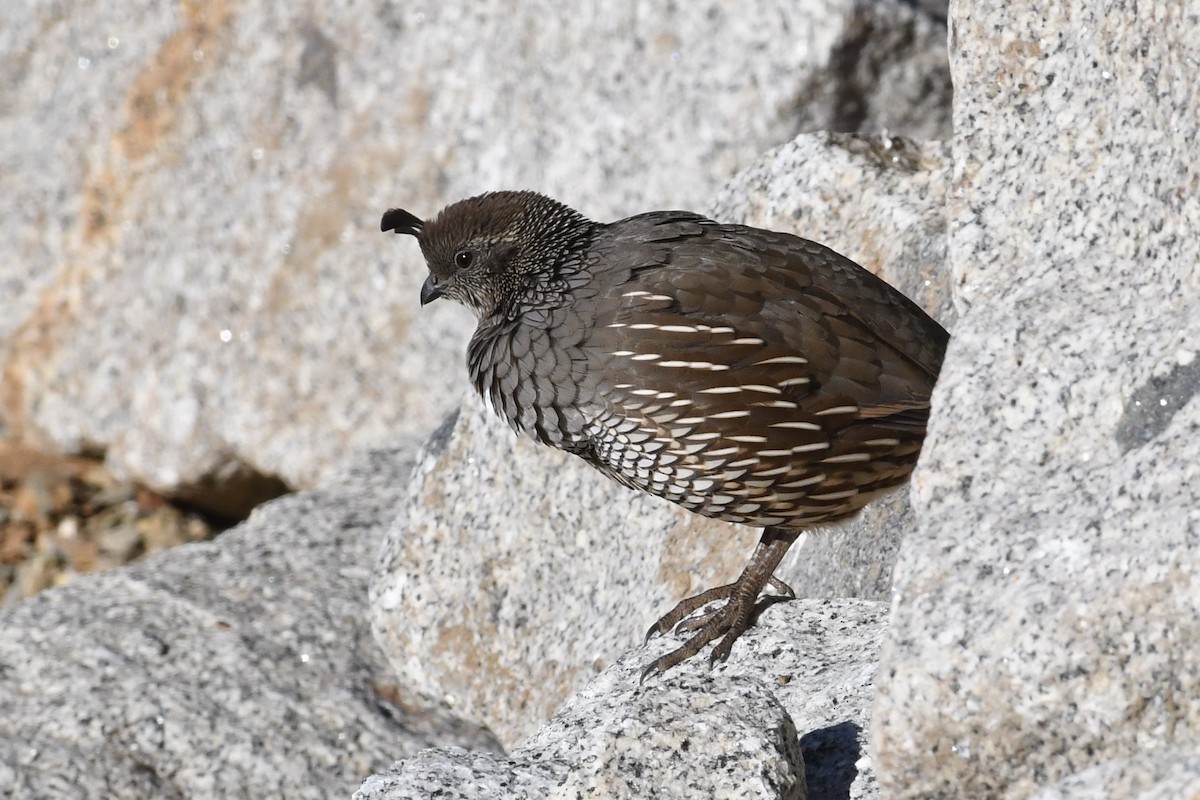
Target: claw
{"type": "Point", "coordinates": [730, 620]}
{"type": "Point", "coordinates": [727, 622]}
{"type": "Point", "coordinates": [685, 607]}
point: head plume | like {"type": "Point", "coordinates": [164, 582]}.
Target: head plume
{"type": "Point", "coordinates": [400, 221]}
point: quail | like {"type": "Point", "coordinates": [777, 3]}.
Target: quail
{"type": "Point", "coordinates": [747, 375]}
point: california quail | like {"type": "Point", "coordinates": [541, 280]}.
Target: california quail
{"type": "Point", "coordinates": [747, 375]}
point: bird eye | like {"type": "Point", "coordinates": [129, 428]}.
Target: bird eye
{"type": "Point", "coordinates": [463, 259]}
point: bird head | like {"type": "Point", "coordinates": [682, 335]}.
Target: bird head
{"type": "Point", "coordinates": [481, 250]}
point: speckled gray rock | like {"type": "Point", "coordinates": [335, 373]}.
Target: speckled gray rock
{"type": "Point", "coordinates": [192, 279]}
{"type": "Point", "coordinates": [519, 572]}
{"type": "Point", "coordinates": [1047, 612]}
{"type": "Point", "coordinates": [789, 707]}
{"type": "Point", "coordinates": [232, 669]}
{"type": "Point", "coordinates": [1170, 775]}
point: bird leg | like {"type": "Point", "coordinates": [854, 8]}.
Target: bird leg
{"type": "Point", "coordinates": [732, 619]}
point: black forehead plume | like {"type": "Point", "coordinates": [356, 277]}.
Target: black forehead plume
{"type": "Point", "coordinates": [400, 221]}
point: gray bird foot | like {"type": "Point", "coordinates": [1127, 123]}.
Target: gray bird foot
{"type": "Point", "coordinates": [727, 622]}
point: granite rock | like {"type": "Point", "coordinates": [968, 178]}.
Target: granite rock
{"type": "Point", "coordinates": [241, 667]}
{"type": "Point", "coordinates": [519, 572]}
{"type": "Point", "coordinates": [1170, 774]}
{"type": "Point", "coordinates": [1045, 615]}
{"type": "Point", "coordinates": [192, 280]}
{"type": "Point", "coordinates": [783, 718]}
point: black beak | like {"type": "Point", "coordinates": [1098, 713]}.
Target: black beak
{"type": "Point", "coordinates": [430, 290]}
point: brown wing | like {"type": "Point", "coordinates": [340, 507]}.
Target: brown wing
{"type": "Point", "coordinates": [753, 376]}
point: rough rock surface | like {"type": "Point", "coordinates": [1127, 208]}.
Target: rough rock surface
{"type": "Point", "coordinates": [1047, 611]}
{"type": "Point", "coordinates": [241, 667]}
{"type": "Point", "coordinates": [791, 702]}
{"type": "Point", "coordinates": [192, 280]}
{"type": "Point", "coordinates": [519, 572]}
{"type": "Point", "coordinates": [1169, 774]}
